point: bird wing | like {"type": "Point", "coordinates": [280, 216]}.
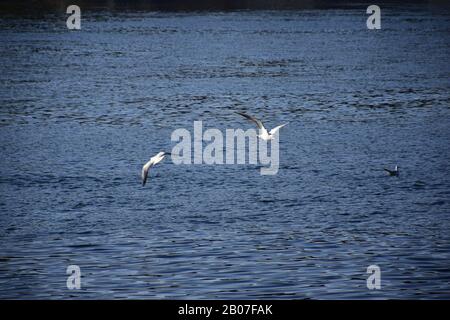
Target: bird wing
{"type": "Point", "coordinates": [158, 158]}
{"type": "Point", "coordinates": [258, 122]}
{"type": "Point", "coordinates": [144, 175]}
{"type": "Point", "coordinates": [390, 171]}
{"type": "Point", "coordinates": [275, 130]}
{"type": "Point", "coordinates": [145, 170]}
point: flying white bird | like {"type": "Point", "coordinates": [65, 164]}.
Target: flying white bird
{"type": "Point", "coordinates": [153, 160]}
{"type": "Point", "coordinates": [264, 135]}
{"type": "Point", "coordinates": [394, 172]}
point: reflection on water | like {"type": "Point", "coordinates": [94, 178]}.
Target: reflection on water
{"type": "Point", "coordinates": [80, 112]}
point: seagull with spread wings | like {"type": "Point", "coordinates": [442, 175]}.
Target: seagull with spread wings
{"type": "Point", "coordinates": [264, 135]}
{"type": "Point", "coordinates": [153, 161]}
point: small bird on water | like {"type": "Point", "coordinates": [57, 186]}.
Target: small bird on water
{"type": "Point", "coordinates": [394, 172]}
{"type": "Point", "coordinates": [264, 134]}
{"type": "Point", "coordinates": [153, 160]}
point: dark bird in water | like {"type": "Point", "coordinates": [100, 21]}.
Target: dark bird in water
{"type": "Point", "coordinates": [153, 160]}
{"type": "Point", "coordinates": [394, 172]}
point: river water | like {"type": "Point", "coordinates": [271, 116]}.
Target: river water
{"type": "Point", "coordinates": [82, 111]}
